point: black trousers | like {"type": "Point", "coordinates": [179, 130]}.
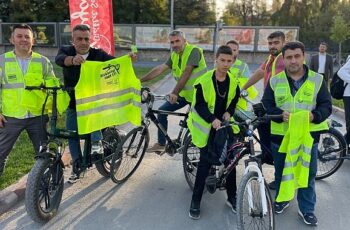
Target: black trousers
{"type": "Point", "coordinates": [264, 131]}
{"type": "Point", "coordinates": [346, 101]}
{"type": "Point", "coordinates": [202, 173]}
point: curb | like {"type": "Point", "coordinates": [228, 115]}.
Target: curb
{"type": "Point", "coordinates": [15, 193]}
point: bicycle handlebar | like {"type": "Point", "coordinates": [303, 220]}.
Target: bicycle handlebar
{"type": "Point", "coordinates": [52, 88]}
{"type": "Point", "coordinates": [247, 122]}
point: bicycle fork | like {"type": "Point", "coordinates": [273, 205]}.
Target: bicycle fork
{"type": "Point", "coordinates": [261, 182]}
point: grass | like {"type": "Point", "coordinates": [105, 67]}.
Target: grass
{"type": "Point", "coordinates": [21, 158]}
{"type": "Point", "coordinates": [338, 103]}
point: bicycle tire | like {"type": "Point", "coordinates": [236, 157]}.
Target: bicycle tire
{"type": "Point", "coordinates": [257, 217]}
{"type": "Point", "coordinates": [126, 161]}
{"type": "Point", "coordinates": [42, 188]}
{"type": "Point", "coordinates": [331, 148]}
{"type": "Point", "coordinates": [190, 160]}
{"type": "Point", "coordinates": [110, 141]}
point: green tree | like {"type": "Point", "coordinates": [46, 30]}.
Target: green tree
{"type": "Point", "coordinates": [4, 10]}
{"type": "Point", "coordinates": [340, 32]}
{"type": "Point", "coordinates": [194, 12]}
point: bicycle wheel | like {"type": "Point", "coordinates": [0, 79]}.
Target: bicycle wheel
{"type": "Point", "coordinates": [331, 148]}
{"type": "Point", "coordinates": [190, 160]}
{"type": "Point", "coordinates": [110, 141]}
{"type": "Point", "coordinates": [44, 190]}
{"type": "Point", "coordinates": [249, 207]}
{"type": "Point", "coordinates": [129, 154]}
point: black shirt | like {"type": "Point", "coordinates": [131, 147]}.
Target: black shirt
{"type": "Point", "coordinates": [220, 103]}
{"type": "Point", "coordinates": [71, 74]}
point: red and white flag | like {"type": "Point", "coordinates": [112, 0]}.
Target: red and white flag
{"type": "Point", "coordinates": [98, 15]}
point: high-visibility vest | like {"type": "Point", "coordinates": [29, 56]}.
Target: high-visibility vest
{"type": "Point", "coordinates": [237, 69]}
{"type": "Point", "coordinates": [304, 99]}
{"type": "Point", "coordinates": [273, 67]}
{"type": "Point", "coordinates": [297, 145]}
{"type": "Point", "coordinates": [107, 94]}
{"type": "Point", "coordinates": [198, 127]}
{"type": "Point", "coordinates": [177, 71]}
{"type": "Point", "coordinates": [16, 101]}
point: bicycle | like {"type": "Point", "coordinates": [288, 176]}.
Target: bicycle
{"type": "Point", "coordinates": [132, 148]}
{"type": "Point", "coordinates": [332, 151]}
{"type": "Point", "coordinates": [45, 181]}
{"type": "Point", "coordinates": [259, 201]}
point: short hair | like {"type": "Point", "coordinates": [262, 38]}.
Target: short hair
{"type": "Point", "coordinates": [177, 33]}
{"type": "Point", "coordinates": [324, 43]}
{"type": "Point", "coordinates": [277, 34]}
{"type": "Point", "coordinates": [233, 42]}
{"type": "Point", "coordinates": [22, 26]}
{"type": "Point", "coordinates": [81, 27]}
{"type": "Point", "coordinates": [292, 46]}
{"type": "Point", "coordinates": [223, 50]}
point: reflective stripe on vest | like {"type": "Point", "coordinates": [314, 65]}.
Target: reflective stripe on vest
{"type": "Point", "coordinates": [304, 99]}
{"type": "Point", "coordinates": [177, 71]}
{"type": "Point", "coordinates": [107, 94]}
{"type": "Point", "coordinates": [198, 127]}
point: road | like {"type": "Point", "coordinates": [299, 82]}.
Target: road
{"type": "Point", "coordinates": [157, 197]}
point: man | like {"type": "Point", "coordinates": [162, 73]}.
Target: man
{"type": "Point", "coordinates": [19, 68]}
{"type": "Point", "coordinates": [216, 96]}
{"type": "Point", "coordinates": [297, 93]}
{"type": "Point", "coordinates": [322, 62]}
{"type": "Point", "coordinates": [240, 69]}
{"type": "Point", "coordinates": [187, 64]}
{"type": "Point", "coordinates": [70, 58]}
{"type": "Point", "coordinates": [344, 74]}
{"type": "Point", "coordinates": [272, 66]}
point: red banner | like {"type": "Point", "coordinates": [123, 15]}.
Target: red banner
{"type": "Point", "coordinates": [98, 15]}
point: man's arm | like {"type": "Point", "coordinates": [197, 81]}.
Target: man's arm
{"type": "Point", "coordinates": [257, 76]}
{"type": "Point", "coordinates": [330, 67]}
{"type": "Point", "coordinates": [344, 72]}
{"type": "Point", "coordinates": [63, 59]}
{"type": "Point", "coordinates": [156, 71]}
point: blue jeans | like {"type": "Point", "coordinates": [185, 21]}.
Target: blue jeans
{"type": "Point", "coordinates": [74, 143]}
{"type": "Point", "coordinates": [163, 118]}
{"type": "Point", "coordinates": [306, 196]}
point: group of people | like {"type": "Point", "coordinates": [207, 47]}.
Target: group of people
{"type": "Point", "coordinates": [291, 89]}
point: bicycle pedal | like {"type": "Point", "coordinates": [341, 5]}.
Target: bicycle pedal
{"type": "Point", "coordinates": [160, 153]}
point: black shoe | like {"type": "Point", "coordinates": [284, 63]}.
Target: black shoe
{"type": "Point", "coordinates": [231, 202]}
{"type": "Point", "coordinates": [195, 210]}
{"type": "Point", "coordinates": [73, 178]}
{"type": "Point", "coordinates": [272, 185]}
{"type": "Point", "coordinates": [281, 206]}
{"type": "Point", "coordinates": [308, 218]}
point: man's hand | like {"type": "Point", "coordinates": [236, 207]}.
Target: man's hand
{"type": "Point", "coordinates": [78, 60]}
{"type": "Point", "coordinates": [311, 117]}
{"type": "Point", "coordinates": [2, 121]}
{"type": "Point", "coordinates": [216, 123]}
{"type": "Point", "coordinates": [244, 93]}
{"type": "Point", "coordinates": [285, 115]}
{"type": "Point", "coordinates": [133, 56]}
{"type": "Point", "coordinates": [226, 116]}
{"type": "Point", "coordinates": [173, 98]}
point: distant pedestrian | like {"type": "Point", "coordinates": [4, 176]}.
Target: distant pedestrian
{"type": "Point", "coordinates": [322, 62]}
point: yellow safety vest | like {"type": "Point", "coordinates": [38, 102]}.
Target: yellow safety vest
{"type": "Point", "coordinates": [297, 144]}
{"type": "Point", "coordinates": [177, 71]}
{"type": "Point", "coordinates": [198, 127]}
{"type": "Point", "coordinates": [107, 94]}
{"type": "Point", "coordinates": [237, 69]}
{"type": "Point", "coordinates": [18, 102]}
{"type": "Point", "coordinates": [304, 99]}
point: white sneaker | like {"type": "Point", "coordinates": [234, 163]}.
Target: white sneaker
{"type": "Point", "coordinates": [73, 178]}
{"type": "Point", "coordinates": [97, 148]}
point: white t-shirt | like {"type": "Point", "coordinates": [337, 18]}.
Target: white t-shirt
{"type": "Point", "coordinates": [321, 62]}
{"type": "Point", "coordinates": [344, 73]}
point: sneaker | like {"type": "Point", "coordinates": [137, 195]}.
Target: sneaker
{"type": "Point", "coordinates": [231, 202]}
{"type": "Point", "coordinates": [281, 206]}
{"type": "Point", "coordinates": [309, 218]}
{"type": "Point", "coordinates": [96, 148]}
{"type": "Point", "coordinates": [195, 212]}
{"type": "Point", "coordinates": [272, 185]}
{"type": "Point", "coordinates": [156, 148]}
{"type": "Point", "coordinates": [73, 178]}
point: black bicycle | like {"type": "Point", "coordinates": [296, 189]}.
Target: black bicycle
{"type": "Point", "coordinates": [133, 146]}
{"type": "Point", "coordinates": [45, 181]}
{"type": "Point", "coordinates": [254, 202]}
{"type": "Point", "coordinates": [332, 151]}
